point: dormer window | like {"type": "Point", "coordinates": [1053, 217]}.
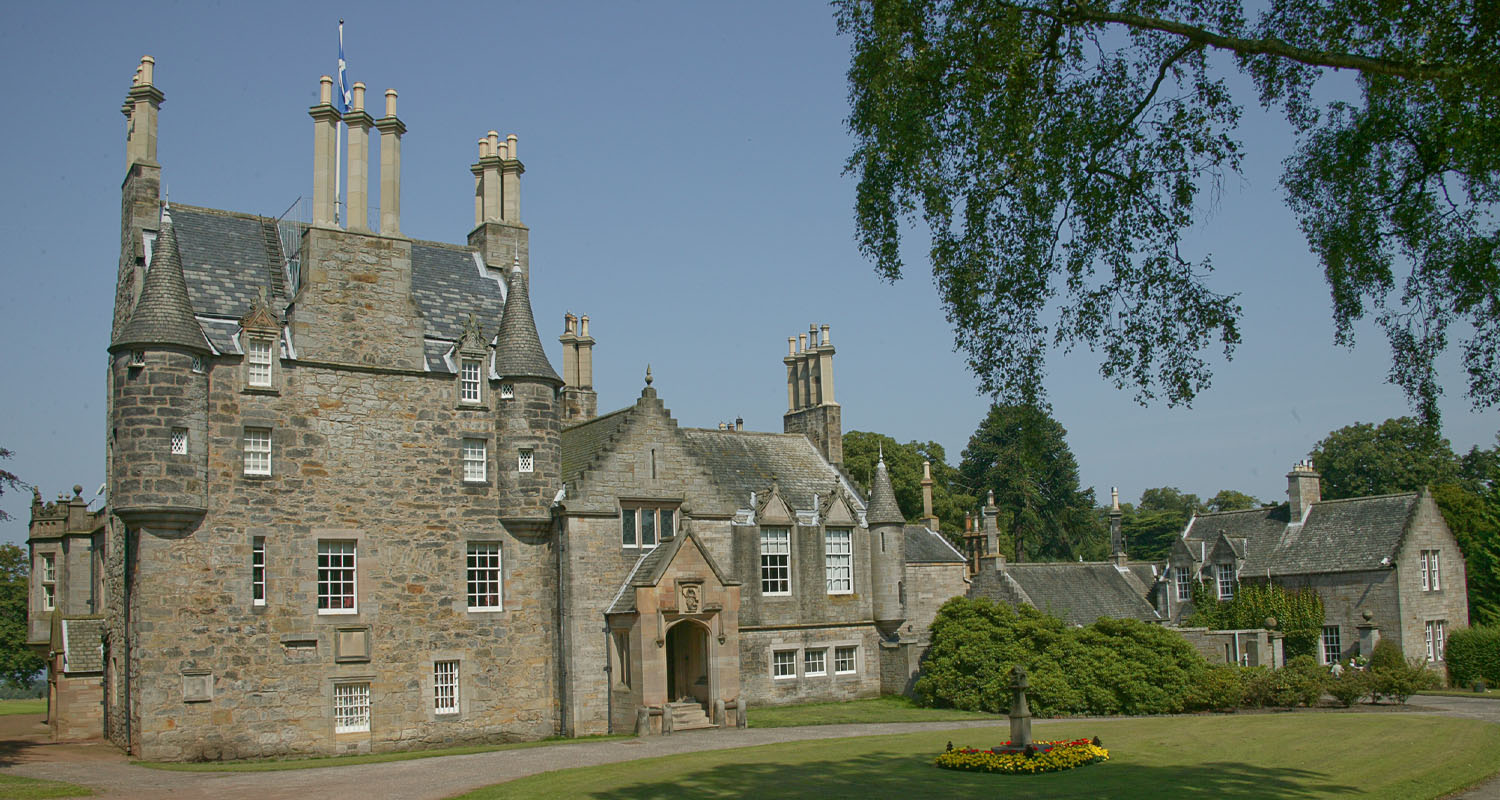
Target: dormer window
{"type": "Point", "coordinates": [258, 362]}
{"type": "Point", "coordinates": [470, 384]}
{"type": "Point", "coordinates": [1183, 577]}
{"type": "Point", "coordinates": [1225, 573]}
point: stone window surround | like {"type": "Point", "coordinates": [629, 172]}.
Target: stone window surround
{"type": "Point", "coordinates": [365, 562]}
{"type": "Point", "coordinates": [470, 571]}
{"type": "Point", "coordinates": [830, 655]}
{"type": "Point", "coordinates": [1331, 644]}
{"type": "Point", "coordinates": [1431, 565]}
{"type": "Point", "coordinates": [785, 657]}
{"type": "Point", "coordinates": [1224, 580]}
{"type": "Point", "coordinates": [250, 362]}
{"type": "Point", "coordinates": [526, 460]}
{"type": "Point", "coordinates": [465, 444]}
{"type": "Point", "coordinates": [1182, 578]}
{"type": "Point", "coordinates": [762, 564]}
{"type": "Point", "coordinates": [633, 509]}
{"type": "Point", "coordinates": [429, 683]}
{"type": "Point", "coordinates": [1436, 633]}
{"type": "Point", "coordinates": [270, 452]}
{"type": "Point", "coordinates": [829, 558]}
{"type": "Point", "coordinates": [471, 388]}
{"type": "Point", "coordinates": [180, 441]}
{"type": "Point", "coordinates": [335, 683]}
{"type": "Point", "coordinates": [812, 656]}
{"type": "Point", "coordinates": [47, 583]}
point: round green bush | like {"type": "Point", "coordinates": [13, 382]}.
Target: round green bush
{"type": "Point", "coordinates": [1473, 654]}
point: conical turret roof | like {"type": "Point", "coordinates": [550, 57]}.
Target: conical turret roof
{"type": "Point", "coordinates": [163, 315]}
{"type": "Point", "coordinates": [883, 509]}
{"type": "Point", "coordinates": [519, 353]}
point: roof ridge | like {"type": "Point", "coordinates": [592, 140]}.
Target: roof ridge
{"type": "Point", "coordinates": [221, 212]}
{"type": "Point", "coordinates": [1370, 497]}
{"type": "Point", "coordinates": [1239, 511]}
{"type": "Point", "coordinates": [575, 426]}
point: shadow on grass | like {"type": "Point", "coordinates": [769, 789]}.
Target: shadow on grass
{"type": "Point", "coordinates": [881, 775]}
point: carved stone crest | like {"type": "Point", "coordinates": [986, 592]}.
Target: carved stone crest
{"type": "Point", "coordinates": [692, 600]}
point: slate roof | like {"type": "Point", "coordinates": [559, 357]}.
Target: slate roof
{"type": "Point", "coordinates": [582, 442]}
{"type": "Point", "coordinates": [83, 638]}
{"type": "Point", "coordinates": [163, 314]}
{"type": "Point", "coordinates": [228, 258]}
{"type": "Point", "coordinates": [883, 509]}
{"type": "Point", "coordinates": [743, 462]}
{"type": "Point", "coordinates": [926, 546]}
{"type": "Point", "coordinates": [1339, 535]}
{"type": "Point", "coordinates": [1080, 593]}
{"type": "Point", "coordinates": [518, 350]}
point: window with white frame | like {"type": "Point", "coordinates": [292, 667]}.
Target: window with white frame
{"type": "Point", "coordinates": [258, 361]}
{"type": "Point", "coordinates": [645, 526]}
{"type": "Point", "coordinates": [258, 570]}
{"type": "Point", "coordinates": [179, 441]}
{"type": "Point", "coordinates": [198, 364]}
{"type": "Point", "coordinates": [507, 391]}
{"type": "Point", "coordinates": [815, 661]}
{"type": "Point", "coordinates": [469, 385]}
{"type": "Point", "coordinates": [338, 591]}
{"type": "Point", "coordinates": [257, 451]}
{"type": "Point", "coordinates": [1225, 573]}
{"type": "Point", "coordinates": [1437, 631]}
{"type": "Point", "coordinates": [776, 561]}
{"type": "Point", "coordinates": [445, 687]}
{"type": "Point", "coordinates": [1183, 577]}
{"type": "Point", "coordinates": [49, 581]}
{"type": "Point", "coordinates": [526, 460]}
{"type": "Point", "coordinates": [1333, 647]}
{"type": "Point", "coordinates": [351, 707]}
{"type": "Point", "coordinates": [839, 560]}
{"type": "Point", "coordinates": [138, 358]}
{"type": "Point", "coordinates": [784, 664]}
{"type": "Point", "coordinates": [1432, 579]}
{"type": "Point", "coordinates": [475, 460]}
{"type": "Point", "coordinates": [486, 589]}
{"type": "Point", "coordinates": [844, 659]}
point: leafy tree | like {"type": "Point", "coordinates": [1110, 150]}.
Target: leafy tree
{"type": "Point", "coordinates": [8, 481]}
{"type": "Point", "coordinates": [1231, 500]}
{"type": "Point", "coordinates": [1474, 518]}
{"type": "Point", "coordinates": [1149, 534]}
{"type": "Point", "coordinates": [18, 664]}
{"type": "Point", "coordinates": [1170, 498]}
{"type": "Point", "coordinates": [1398, 455]}
{"type": "Point", "coordinates": [1022, 453]}
{"type": "Point", "coordinates": [904, 462]}
{"type": "Point", "coordinates": [1057, 153]}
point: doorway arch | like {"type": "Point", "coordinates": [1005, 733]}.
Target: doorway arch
{"type": "Point", "coordinates": [688, 663]}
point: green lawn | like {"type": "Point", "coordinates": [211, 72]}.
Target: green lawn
{"type": "Point", "coordinates": [888, 708]}
{"type": "Point", "coordinates": [1232, 756]}
{"type": "Point", "coordinates": [1488, 694]}
{"type": "Point", "coordinates": [18, 788]}
{"type": "Point", "coordinates": [35, 705]}
{"type": "Point", "coordinates": [318, 762]}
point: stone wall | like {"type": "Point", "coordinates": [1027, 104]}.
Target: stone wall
{"type": "Point", "coordinates": [75, 705]}
{"type": "Point", "coordinates": [369, 456]}
{"type": "Point", "coordinates": [1449, 603]}
{"type": "Point", "coordinates": [758, 644]}
{"type": "Point", "coordinates": [355, 304]}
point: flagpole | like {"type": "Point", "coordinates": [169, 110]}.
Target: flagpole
{"type": "Point", "coordinates": [338, 141]}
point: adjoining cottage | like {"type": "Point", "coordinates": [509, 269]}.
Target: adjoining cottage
{"type": "Point", "coordinates": [352, 506]}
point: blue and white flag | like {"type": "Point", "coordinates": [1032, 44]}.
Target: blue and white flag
{"type": "Point", "coordinates": [345, 96]}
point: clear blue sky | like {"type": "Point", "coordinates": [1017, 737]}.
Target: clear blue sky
{"type": "Point", "coordinates": [684, 188]}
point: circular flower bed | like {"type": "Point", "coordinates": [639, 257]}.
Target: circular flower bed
{"type": "Point", "coordinates": [1049, 757]}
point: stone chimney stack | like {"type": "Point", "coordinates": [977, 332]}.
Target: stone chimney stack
{"type": "Point", "coordinates": [990, 525]}
{"type": "Point", "coordinates": [811, 408]}
{"type": "Point", "coordinates": [580, 401]}
{"type": "Point", "coordinates": [142, 105]}
{"type": "Point", "coordinates": [325, 158]}
{"type": "Point", "coordinates": [498, 233]}
{"type": "Point", "coordinates": [1303, 489]}
{"type": "Point", "coordinates": [359, 162]}
{"type": "Point", "coordinates": [1116, 532]}
{"type": "Point", "coordinates": [928, 518]}
{"type": "Point", "coordinates": [391, 129]}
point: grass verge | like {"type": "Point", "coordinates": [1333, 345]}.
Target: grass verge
{"type": "Point", "coordinates": [887, 708]}
{"type": "Point", "coordinates": [1487, 694]}
{"type": "Point", "coordinates": [1235, 756]}
{"type": "Point", "coordinates": [35, 705]}
{"type": "Point", "coordinates": [18, 788]}
{"type": "Point", "coordinates": [318, 762]}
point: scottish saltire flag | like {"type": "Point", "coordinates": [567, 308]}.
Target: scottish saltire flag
{"type": "Point", "coordinates": [345, 96]}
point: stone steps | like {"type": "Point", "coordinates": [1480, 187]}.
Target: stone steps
{"type": "Point", "coordinates": [689, 717]}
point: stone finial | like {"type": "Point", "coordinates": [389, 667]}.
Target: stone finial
{"type": "Point", "coordinates": [649, 380]}
{"type": "Point", "coordinates": [1114, 498]}
{"type": "Point", "coordinates": [991, 500]}
{"type": "Point", "coordinates": [77, 491]}
{"type": "Point", "coordinates": [926, 470]}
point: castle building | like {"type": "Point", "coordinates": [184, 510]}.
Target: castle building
{"type": "Point", "coordinates": [353, 507]}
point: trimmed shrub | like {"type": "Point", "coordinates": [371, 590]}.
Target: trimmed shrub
{"type": "Point", "coordinates": [1306, 679]}
{"type": "Point", "coordinates": [1473, 654]}
{"type": "Point", "coordinates": [1109, 667]}
{"type": "Point", "coordinates": [1387, 655]}
{"type": "Point", "coordinates": [1350, 687]}
{"type": "Point", "coordinates": [1221, 687]}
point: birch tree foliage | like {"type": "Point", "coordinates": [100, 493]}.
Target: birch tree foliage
{"type": "Point", "coordinates": [1057, 150]}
